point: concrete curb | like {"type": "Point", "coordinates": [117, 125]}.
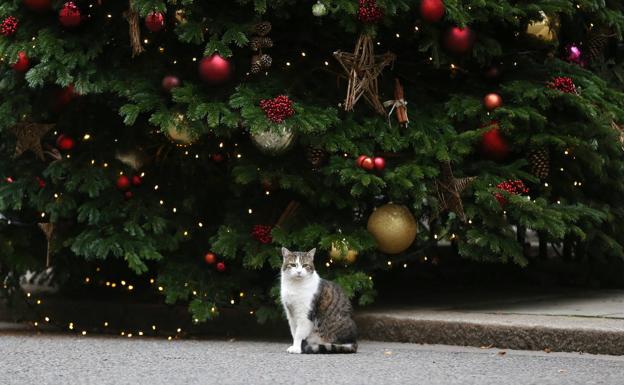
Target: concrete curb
{"type": "Point", "coordinates": [522, 332]}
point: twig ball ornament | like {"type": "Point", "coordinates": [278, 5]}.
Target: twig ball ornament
{"type": "Point", "coordinates": [492, 101]}
{"type": "Point", "coordinates": [393, 227]}
{"type": "Point", "coordinates": [545, 29]}
{"type": "Point", "coordinates": [214, 69]}
{"type": "Point", "coordinates": [459, 40]}
{"type": "Point", "coordinates": [319, 9]}
{"type": "Point", "coordinates": [179, 131]}
{"type": "Point", "coordinates": [275, 141]}
{"type": "Point", "coordinates": [432, 11]}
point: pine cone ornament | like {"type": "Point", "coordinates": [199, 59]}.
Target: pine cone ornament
{"type": "Point", "coordinates": [539, 159]}
{"type": "Point", "coordinates": [359, 214]}
{"type": "Point", "coordinates": [256, 66]}
{"type": "Point", "coordinates": [266, 61]}
{"type": "Point", "coordinates": [258, 43]}
{"type": "Point", "coordinates": [316, 156]}
{"type": "Point", "coordinates": [596, 43]}
{"type": "Point", "coordinates": [262, 29]}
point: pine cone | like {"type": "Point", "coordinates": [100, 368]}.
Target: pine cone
{"type": "Point", "coordinates": [596, 43]}
{"type": "Point", "coordinates": [260, 42]}
{"type": "Point", "coordinates": [262, 29]}
{"type": "Point", "coordinates": [266, 61]}
{"type": "Point", "coordinates": [256, 68]}
{"type": "Point", "coordinates": [316, 156]}
{"type": "Point", "coordinates": [539, 159]}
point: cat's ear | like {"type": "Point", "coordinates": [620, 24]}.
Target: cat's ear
{"type": "Point", "coordinates": [285, 252]}
{"type": "Point", "coordinates": [311, 253]}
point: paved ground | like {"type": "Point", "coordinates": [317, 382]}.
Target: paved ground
{"type": "Point", "coordinates": [56, 359]}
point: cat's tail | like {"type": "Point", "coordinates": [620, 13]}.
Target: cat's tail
{"type": "Point", "coordinates": [307, 348]}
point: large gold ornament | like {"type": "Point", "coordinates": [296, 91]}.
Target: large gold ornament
{"type": "Point", "coordinates": [341, 251]}
{"type": "Point", "coordinates": [545, 29]}
{"type": "Point", "coordinates": [393, 227]}
{"type": "Point", "coordinates": [180, 132]}
{"type": "Point", "coordinates": [273, 142]}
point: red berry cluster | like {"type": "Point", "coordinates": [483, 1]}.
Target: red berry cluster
{"type": "Point", "coordinates": [515, 187]}
{"type": "Point", "coordinates": [262, 233]}
{"type": "Point", "coordinates": [369, 12]}
{"type": "Point", "coordinates": [563, 84]}
{"type": "Point", "coordinates": [8, 26]}
{"type": "Point", "coordinates": [278, 109]}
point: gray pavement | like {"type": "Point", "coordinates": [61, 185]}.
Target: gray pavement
{"type": "Point", "coordinates": [67, 360]}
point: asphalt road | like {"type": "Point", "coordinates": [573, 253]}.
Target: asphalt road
{"type": "Point", "coordinates": [70, 360]}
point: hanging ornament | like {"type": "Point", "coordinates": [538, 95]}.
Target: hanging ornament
{"type": "Point", "coordinates": [260, 63]}
{"type": "Point", "coordinates": [65, 142]}
{"type": "Point", "coordinates": [379, 163]}
{"type": "Point", "coordinates": [133, 158]}
{"type": "Point", "coordinates": [8, 27]}
{"type": "Point", "coordinates": [316, 156]}
{"type": "Point", "coordinates": [38, 5]}
{"type": "Point", "coordinates": [369, 12]}
{"type": "Point", "coordinates": [341, 251]}
{"type": "Point", "coordinates": [275, 141]}
{"type": "Point", "coordinates": [450, 190]}
{"type": "Point", "coordinates": [259, 42]}
{"type": "Point", "coordinates": [564, 84]}
{"type": "Point", "coordinates": [128, 195]}
{"type": "Point", "coordinates": [262, 233]}
{"type": "Point", "coordinates": [263, 28]}
{"type": "Point", "coordinates": [597, 41]}
{"type": "Point", "coordinates": [393, 227]}
{"type": "Point", "coordinates": [539, 160]}
{"type": "Point", "coordinates": [492, 101]}
{"type": "Point", "coordinates": [574, 54]}
{"type": "Point", "coordinates": [544, 29]}
{"type": "Point", "coordinates": [180, 16]}
{"type": "Point", "coordinates": [23, 63]}
{"type": "Point", "coordinates": [217, 157]}
{"type": "Point", "coordinates": [122, 183]}
{"type": "Point", "coordinates": [210, 258]}
{"type": "Point", "coordinates": [29, 137]}
{"type": "Point", "coordinates": [40, 182]}
{"type": "Point", "coordinates": [319, 9]}
{"type": "Point", "coordinates": [180, 132]}
{"type": "Point", "coordinates": [277, 109]}
{"type": "Point", "coordinates": [432, 11]}
{"type": "Point", "coordinates": [136, 180]}
{"type": "Point", "coordinates": [48, 230]}
{"type": "Point", "coordinates": [220, 267]}
{"type": "Point", "coordinates": [513, 187]}
{"type": "Point", "coordinates": [170, 82]}
{"type": "Point", "coordinates": [365, 162]}
{"type": "Point", "coordinates": [398, 105]}
{"type": "Point", "coordinates": [214, 69]}
{"type": "Point", "coordinates": [69, 15]}
{"type": "Point", "coordinates": [64, 96]}
{"type": "Point", "coordinates": [493, 143]}
{"type": "Point", "coordinates": [362, 68]}
{"type": "Point", "coordinates": [459, 40]}
{"type": "Point", "coordinates": [155, 21]}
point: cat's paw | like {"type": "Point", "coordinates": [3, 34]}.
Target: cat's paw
{"type": "Point", "coordinates": [294, 349]}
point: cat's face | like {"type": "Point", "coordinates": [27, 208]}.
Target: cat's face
{"type": "Point", "coordinates": [298, 265]}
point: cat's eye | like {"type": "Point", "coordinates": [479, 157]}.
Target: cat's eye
{"type": "Point", "coordinates": [307, 266]}
{"type": "Point", "coordinates": [292, 265]}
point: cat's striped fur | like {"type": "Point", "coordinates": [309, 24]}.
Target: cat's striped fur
{"type": "Point", "coordinates": [319, 312]}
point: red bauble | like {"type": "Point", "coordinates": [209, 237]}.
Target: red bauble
{"type": "Point", "coordinates": [217, 157]}
{"type": "Point", "coordinates": [128, 195]}
{"type": "Point", "coordinates": [136, 180]}
{"type": "Point", "coordinates": [38, 5]}
{"type": "Point", "coordinates": [170, 82]}
{"type": "Point", "coordinates": [22, 64]}
{"type": "Point", "coordinates": [41, 182]}
{"type": "Point", "coordinates": [379, 163]}
{"type": "Point", "coordinates": [459, 40]}
{"type": "Point", "coordinates": [155, 21]}
{"type": "Point", "coordinates": [210, 258]}
{"type": "Point", "coordinates": [64, 96]}
{"type": "Point", "coordinates": [368, 164]}
{"type": "Point", "coordinates": [432, 10]}
{"type": "Point", "coordinates": [359, 160]}
{"type": "Point", "coordinates": [69, 15]}
{"type": "Point", "coordinates": [220, 267]}
{"type": "Point", "coordinates": [494, 145]}
{"type": "Point", "coordinates": [214, 69]}
{"type": "Point", "coordinates": [123, 182]}
{"type": "Point", "coordinates": [492, 101]}
{"type": "Point", "coordinates": [65, 142]}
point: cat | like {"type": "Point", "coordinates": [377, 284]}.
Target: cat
{"type": "Point", "coordinates": [319, 312]}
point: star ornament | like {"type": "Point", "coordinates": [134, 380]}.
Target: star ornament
{"type": "Point", "coordinates": [29, 136]}
{"type": "Point", "coordinates": [362, 68]}
{"type": "Point", "coordinates": [450, 189]}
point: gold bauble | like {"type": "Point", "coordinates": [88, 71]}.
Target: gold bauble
{"type": "Point", "coordinates": [341, 250]}
{"type": "Point", "coordinates": [393, 227]}
{"type": "Point", "coordinates": [275, 141]}
{"type": "Point", "coordinates": [180, 132]}
{"type": "Point", "coordinates": [544, 29]}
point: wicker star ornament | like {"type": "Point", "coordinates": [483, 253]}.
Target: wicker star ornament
{"type": "Point", "coordinates": [362, 68]}
{"type": "Point", "coordinates": [29, 137]}
{"type": "Point", "coordinates": [450, 189]}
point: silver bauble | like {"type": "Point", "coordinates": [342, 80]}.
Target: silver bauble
{"type": "Point", "coordinates": [275, 141]}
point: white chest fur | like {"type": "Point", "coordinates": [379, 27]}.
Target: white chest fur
{"type": "Point", "coordinates": [297, 295]}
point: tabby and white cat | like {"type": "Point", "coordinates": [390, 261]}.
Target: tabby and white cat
{"type": "Point", "coordinates": [319, 312]}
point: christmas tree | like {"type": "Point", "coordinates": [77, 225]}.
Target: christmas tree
{"type": "Point", "coordinates": [193, 139]}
